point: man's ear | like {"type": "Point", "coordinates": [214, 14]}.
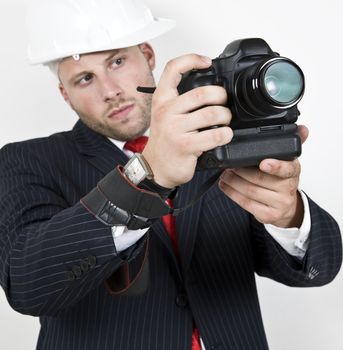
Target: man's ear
{"type": "Point", "coordinates": [64, 93]}
{"type": "Point", "coordinates": [148, 53]}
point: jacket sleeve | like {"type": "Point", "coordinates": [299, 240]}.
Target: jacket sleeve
{"type": "Point", "coordinates": [52, 254]}
{"type": "Point", "coordinates": [322, 260]}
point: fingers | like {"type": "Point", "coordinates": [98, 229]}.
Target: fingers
{"type": "Point", "coordinates": [261, 186]}
{"type": "Point", "coordinates": [280, 168]}
{"type": "Point", "coordinates": [206, 117]}
{"type": "Point", "coordinates": [172, 74]}
{"type": "Point", "coordinates": [270, 174]}
{"type": "Point", "coordinates": [303, 133]}
{"type": "Point", "coordinates": [263, 211]}
{"type": "Point", "coordinates": [240, 186]}
{"type": "Point", "coordinates": [197, 98]}
{"type": "Point", "coordinates": [269, 198]}
{"type": "Point", "coordinates": [273, 210]}
{"type": "Point", "coordinates": [208, 139]}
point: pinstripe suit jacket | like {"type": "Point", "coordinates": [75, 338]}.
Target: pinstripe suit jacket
{"type": "Point", "coordinates": [55, 257]}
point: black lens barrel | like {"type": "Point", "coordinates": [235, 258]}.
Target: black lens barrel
{"type": "Point", "coordinates": [270, 86]}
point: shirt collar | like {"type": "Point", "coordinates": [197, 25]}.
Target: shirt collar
{"type": "Point", "coordinates": [121, 144]}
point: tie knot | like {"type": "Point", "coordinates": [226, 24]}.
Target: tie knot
{"type": "Point", "coordinates": [137, 145]}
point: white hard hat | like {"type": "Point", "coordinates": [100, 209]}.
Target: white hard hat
{"type": "Point", "coordinates": [63, 28]}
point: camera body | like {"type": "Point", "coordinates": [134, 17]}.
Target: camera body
{"type": "Point", "coordinates": [263, 91]}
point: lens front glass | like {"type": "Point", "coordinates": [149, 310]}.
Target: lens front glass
{"type": "Point", "coordinates": [283, 82]}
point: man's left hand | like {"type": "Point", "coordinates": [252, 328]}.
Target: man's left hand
{"type": "Point", "coordinates": [269, 192]}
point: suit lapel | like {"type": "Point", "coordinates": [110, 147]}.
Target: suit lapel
{"type": "Point", "coordinates": [160, 231]}
{"type": "Point", "coordinates": [98, 149]}
{"type": "Point", "coordinates": [187, 222]}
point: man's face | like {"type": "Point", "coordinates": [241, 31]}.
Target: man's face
{"type": "Point", "coordinates": [101, 89]}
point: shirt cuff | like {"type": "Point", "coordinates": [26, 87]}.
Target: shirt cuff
{"type": "Point", "coordinates": [124, 238]}
{"type": "Point", "coordinates": [294, 240]}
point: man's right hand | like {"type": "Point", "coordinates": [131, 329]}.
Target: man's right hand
{"type": "Point", "coordinates": [175, 142]}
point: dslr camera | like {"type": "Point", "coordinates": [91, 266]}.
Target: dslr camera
{"type": "Point", "coordinates": [264, 90]}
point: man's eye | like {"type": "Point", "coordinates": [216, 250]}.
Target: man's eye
{"type": "Point", "coordinates": [86, 79]}
{"type": "Point", "coordinates": [117, 62]}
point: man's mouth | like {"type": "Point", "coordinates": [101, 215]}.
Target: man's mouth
{"type": "Point", "coordinates": [121, 112]}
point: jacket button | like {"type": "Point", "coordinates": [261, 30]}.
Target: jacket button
{"type": "Point", "coordinates": [91, 261]}
{"type": "Point", "coordinates": [181, 300]}
{"type": "Point", "coordinates": [77, 271]}
{"type": "Point", "coordinates": [70, 275]}
{"type": "Point", "coordinates": [84, 264]}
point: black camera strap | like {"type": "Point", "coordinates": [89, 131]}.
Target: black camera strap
{"type": "Point", "coordinates": [202, 190]}
{"type": "Point", "coordinates": [117, 201]}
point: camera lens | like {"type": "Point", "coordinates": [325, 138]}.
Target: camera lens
{"type": "Point", "coordinates": [282, 82]}
{"type": "Point", "coordinates": [269, 86]}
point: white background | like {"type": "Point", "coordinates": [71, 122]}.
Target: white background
{"type": "Point", "coordinates": [307, 32]}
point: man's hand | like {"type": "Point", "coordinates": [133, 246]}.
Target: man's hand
{"type": "Point", "coordinates": [175, 142]}
{"type": "Point", "coordinates": [269, 192]}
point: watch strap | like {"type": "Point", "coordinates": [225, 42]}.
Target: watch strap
{"type": "Point", "coordinates": [163, 192]}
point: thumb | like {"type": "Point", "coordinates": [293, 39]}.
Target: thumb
{"type": "Point", "coordinates": [303, 133]}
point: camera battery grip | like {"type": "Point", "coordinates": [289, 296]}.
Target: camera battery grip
{"type": "Point", "coordinates": [250, 146]}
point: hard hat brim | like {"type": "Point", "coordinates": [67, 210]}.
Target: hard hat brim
{"type": "Point", "coordinates": [154, 29]}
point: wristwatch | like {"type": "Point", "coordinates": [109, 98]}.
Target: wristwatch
{"type": "Point", "coordinates": [137, 169]}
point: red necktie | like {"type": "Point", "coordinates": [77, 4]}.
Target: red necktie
{"type": "Point", "coordinates": [137, 146]}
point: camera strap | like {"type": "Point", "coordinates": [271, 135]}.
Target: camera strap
{"type": "Point", "coordinates": [123, 196]}
{"type": "Point", "coordinates": [202, 190]}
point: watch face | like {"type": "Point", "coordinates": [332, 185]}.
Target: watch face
{"type": "Point", "coordinates": [135, 171]}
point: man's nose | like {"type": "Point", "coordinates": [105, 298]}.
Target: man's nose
{"type": "Point", "coordinates": [111, 90]}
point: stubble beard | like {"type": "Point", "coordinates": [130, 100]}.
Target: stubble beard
{"type": "Point", "coordinates": [122, 131]}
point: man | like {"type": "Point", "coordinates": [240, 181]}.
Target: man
{"type": "Point", "coordinates": [100, 276]}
